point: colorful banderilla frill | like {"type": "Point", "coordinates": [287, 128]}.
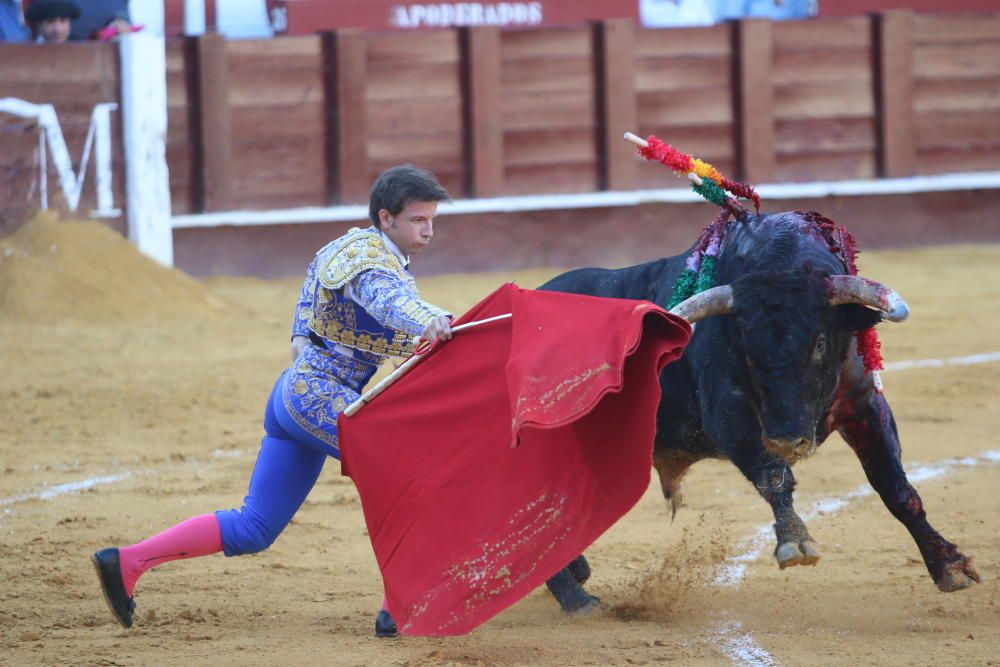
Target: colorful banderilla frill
{"type": "Point", "coordinates": [710, 184]}
{"type": "Point", "coordinates": [699, 268]}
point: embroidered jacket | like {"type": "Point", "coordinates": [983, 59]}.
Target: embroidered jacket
{"type": "Point", "coordinates": [357, 293]}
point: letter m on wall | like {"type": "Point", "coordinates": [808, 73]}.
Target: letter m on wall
{"type": "Point", "coordinates": [51, 141]}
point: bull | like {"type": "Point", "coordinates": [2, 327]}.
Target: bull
{"type": "Point", "coordinates": [771, 371]}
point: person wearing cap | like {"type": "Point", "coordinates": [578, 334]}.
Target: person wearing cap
{"type": "Point", "coordinates": [51, 19]}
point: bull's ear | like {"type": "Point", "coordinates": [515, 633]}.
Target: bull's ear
{"type": "Point", "coordinates": [855, 317]}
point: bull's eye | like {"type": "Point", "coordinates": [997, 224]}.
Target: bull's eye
{"type": "Point", "coordinates": [820, 345]}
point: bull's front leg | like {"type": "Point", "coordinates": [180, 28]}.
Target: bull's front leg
{"type": "Point", "coordinates": [772, 477]}
{"type": "Point", "coordinates": [775, 483]}
{"type": "Point", "coordinates": [865, 421]}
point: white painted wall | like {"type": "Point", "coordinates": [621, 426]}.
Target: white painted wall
{"type": "Point", "coordinates": [144, 125]}
{"type": "Point", "coordinates": [149, 14]}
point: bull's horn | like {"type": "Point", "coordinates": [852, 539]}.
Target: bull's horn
{"type": "Point", "coordinates": [855, 289]}
{"type": "Point", "coordinates": [715, 301]}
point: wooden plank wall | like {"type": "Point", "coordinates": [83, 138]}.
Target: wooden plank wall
{"type": "Point", "coordinates": [73, 78]}
{"type": "Point", "coordinates": [276, 117]}
{"type": "Point", "coordinates": [824, 100]}
{"type": "Point", "coordinates": [548, 111]}
{"type": "Point", "coordinates": [413, 105]}
{"type": "Point", "coordinates": [956, 92]}
{"type": "Point", "coordinates": [683, 88]}
{"type": "Point", "coordinates": [178, 141]}
{"type": "Point", "coordinates": [310, 121]}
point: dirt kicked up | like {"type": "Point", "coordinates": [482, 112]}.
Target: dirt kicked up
{"type": "Point", "coordinates": [131, 397]}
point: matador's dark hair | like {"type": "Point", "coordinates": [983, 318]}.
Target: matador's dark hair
{"type": "Point", "coordinates": [401, 185]}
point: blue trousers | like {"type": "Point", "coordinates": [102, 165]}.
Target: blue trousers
{"type": "Point", "coordinates": [287, 468]}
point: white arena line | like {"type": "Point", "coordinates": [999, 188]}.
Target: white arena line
{"type": "Point", "coordinates": [970, 360]}
{"type": "Point", "coordinates": [69, 487]}
{"type": "Point", "coordinates": [83, 484]}
{"type": "Point", "coordinates": [733, 572]}
{"type": "Point", "coordinates": [741, 648]}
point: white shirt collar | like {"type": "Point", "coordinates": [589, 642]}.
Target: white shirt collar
{"type": "Point", "coordinates": [405, 259]}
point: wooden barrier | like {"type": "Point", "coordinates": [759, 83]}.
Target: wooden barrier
{"type": "Point", "coordinates": [956, 92]}
{"type": "Point", "coordinates": [310, 121]}
{"type": "Point", "coordinates": [74, 78]}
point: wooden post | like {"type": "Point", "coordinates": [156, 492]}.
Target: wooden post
{"type": "Point", "coordinates": [753, 49]}
{"type": "Point", "coordinates": [345, 63]}
{"type": "Point", "coordinates": [893, 77]}
{"type": "Point", "coordinates": [331, 119]}
{"type": "Point", "coordinates": [208, 119]}
{"type": "Point", "coordinates": [615, 97]}
{"type": "Point", "coordinates": [481, 111]}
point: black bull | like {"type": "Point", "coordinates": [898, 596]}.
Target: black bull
{"type": "Point", "coordinates": [768, 382]}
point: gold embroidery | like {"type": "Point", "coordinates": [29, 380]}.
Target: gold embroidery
{"type": "Point", "coordinates": [331, 382]}
{"type": "Point", "coordinates": [399, 346]}
{"type": "Point", "coordinates": [357, 251]}
{"type": "Point", "coordinates": [343, 259]}
{"type": "Point", "coordinates": [417, 311]}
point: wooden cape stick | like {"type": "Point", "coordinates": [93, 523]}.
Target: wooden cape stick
{"type": "Point", "coordinates": [390, 379]}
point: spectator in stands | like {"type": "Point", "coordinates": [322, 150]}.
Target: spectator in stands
{"type": "Point", "coordinates": [50, 19]}
{"type": "Point", "coordinates": [96, 15]}
{"type": "Point", "coordinates": [12, 28]}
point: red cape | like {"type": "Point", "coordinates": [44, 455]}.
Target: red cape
{"type": "Point", "coordinates": [507, 451]}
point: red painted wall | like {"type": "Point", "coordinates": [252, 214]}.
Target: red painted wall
{"type": "Point", "coordinates": [860, 7]}
{"type": "Point", "coordinates": [306, 17]}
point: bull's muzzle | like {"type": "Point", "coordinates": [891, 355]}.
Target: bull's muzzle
{"type": "Point", "coordinates": [791, 449]}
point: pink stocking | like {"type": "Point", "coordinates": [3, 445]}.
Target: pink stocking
{"type": "Point", "coordinates": [198, 536]}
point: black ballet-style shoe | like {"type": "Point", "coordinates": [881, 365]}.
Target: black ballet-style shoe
{"type": "Point", "coordinates": [109, 571]}
{"type": "Point", "coordinates": [384, 625]}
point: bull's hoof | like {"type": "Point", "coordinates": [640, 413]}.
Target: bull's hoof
{"type": "Point", "coordinates": [572, 597]}
{"type": "Point", "coordinates": [791, 554]}
{"type": "Point", "coordinates": [588, 607]}
{"type": "Point", "coordinates": [958, 574]}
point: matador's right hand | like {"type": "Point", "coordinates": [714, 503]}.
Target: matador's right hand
{"type": "Point", "coordinates": [438, 329]}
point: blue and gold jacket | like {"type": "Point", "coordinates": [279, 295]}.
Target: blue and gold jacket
{"type": "Point", "coordinates": [359, 294]}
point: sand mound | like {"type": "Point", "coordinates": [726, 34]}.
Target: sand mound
{"type": "Point", "coordinates": [84, 271]}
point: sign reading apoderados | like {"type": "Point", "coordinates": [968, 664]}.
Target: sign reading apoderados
{"type": "Point", "coordinates": [444, 15]}
{"type": "Point", "coordinates": [306, 17]}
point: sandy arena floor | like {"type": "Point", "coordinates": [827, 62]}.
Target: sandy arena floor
{"type": "Point", "coordinates": [130, 399]}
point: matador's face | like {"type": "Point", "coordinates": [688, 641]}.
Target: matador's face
{"type": "Point", "coordinates": [412, 228]}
